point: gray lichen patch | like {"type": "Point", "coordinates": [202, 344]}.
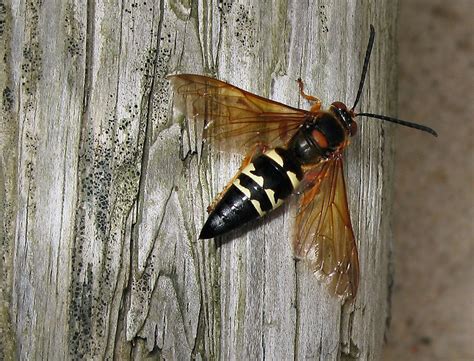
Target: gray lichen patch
{"type": "Point", "coordinates": [31, 143]}
{"type": "Point", "coordinates": [3, 17]}
{"type": "Point", "coordinates": [32, 63]}
{"type": "Point", "coordinates": [147, 65]}
{"type": "Point", "coordinates": [7, 99]}
{"type": "Point", "coordinates": [80, 312]}
{"type": "Point", "coordinates": [225, 6]}
{"type": "Point", "coordinates": [245, 28]}
{"type": "Point", "coordinates": [74, 31]}
{"type": "Point", "coordinates": [110, 175]}
{"type": "Point", "coordinates": [160, 106]}
{"type": "Point", "coordinates": [160, 95]}
{"type": "Point", "coordinates": [323, 18]}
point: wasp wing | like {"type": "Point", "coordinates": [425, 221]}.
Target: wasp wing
{"type": "Point", "coordinates": [323, 232]}
{"type": "Point", "coordinates": [234, 117]}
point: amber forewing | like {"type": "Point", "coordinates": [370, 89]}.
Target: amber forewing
{"type": "Point", "coordinates": [235, 119]}
{"type": "Point", "coordinates": [323, 231]}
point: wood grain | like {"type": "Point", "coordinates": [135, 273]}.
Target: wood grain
{"type": "Point", "coordinates": [105, 191]}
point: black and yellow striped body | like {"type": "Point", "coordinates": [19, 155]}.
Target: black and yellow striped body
{"type": "Point", "coordinates": [259, 188]}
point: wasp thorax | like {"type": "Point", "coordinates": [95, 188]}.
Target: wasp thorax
{"type": "Point", "coordinates": [317, 138]}
{"type": "Point", "coordinates": [303, 146]}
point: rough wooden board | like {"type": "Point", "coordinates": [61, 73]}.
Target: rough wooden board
{"type": "Point", "coordinates": [111, 191]}
{"type": "Point", "coordinates": [8, 160]}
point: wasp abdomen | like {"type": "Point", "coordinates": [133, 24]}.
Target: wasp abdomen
{"type": "Point", "coordinates": [260, 187]}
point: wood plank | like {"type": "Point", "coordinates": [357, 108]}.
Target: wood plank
{"type": "Point", "coordinates": [107, 192]}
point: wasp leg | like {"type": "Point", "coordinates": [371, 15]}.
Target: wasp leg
{"type": "Point", "coordinates": [315, 102]}
{"type": "Point", "coordinates": [257, 149]}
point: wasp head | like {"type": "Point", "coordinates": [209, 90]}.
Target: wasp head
{"type": "Point", "coordinates": [346, 116]}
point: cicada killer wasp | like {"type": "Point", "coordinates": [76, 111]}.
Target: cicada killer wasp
{"type": "Point", "coordinates": [289, 150]}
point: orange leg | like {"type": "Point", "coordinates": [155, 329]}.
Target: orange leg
{"type": "Point", "coordinates": [315, 102]}
{"type": "Point", "coordinates": [257, 149]}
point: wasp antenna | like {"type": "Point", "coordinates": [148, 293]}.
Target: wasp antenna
{"type": "Point", "coordinates": [399, 121]}
{"type": "Point", "coordinates": [366, 65]}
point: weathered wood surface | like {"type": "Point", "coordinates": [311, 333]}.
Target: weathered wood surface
{"type": "Point", "coordinates": [104, 192]}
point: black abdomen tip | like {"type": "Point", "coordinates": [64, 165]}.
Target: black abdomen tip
{"type": "Point", "coordinates": [234, 210]}
{"type": "Point", "coordinates": [213, 227]}
{"type": "Point", "coordinates": [206, 233]}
